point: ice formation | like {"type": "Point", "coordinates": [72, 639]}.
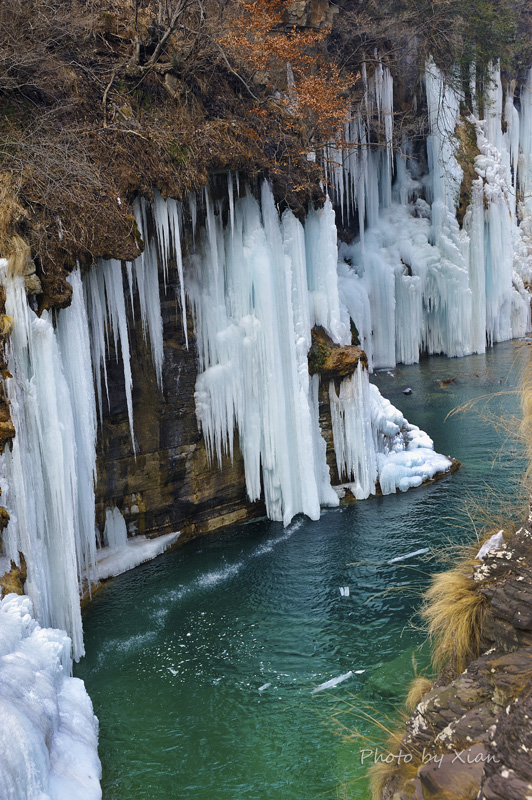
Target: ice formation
{"type": "Point", "coordinates": [374, 442]}
{"type": "Point", "coordinates": [414, 281]}
{"type": "Point", "coordinates": [112, 561]}
{"type": "Point", "coordinates": [106, 296]}
{"type": "Point", "coordinates": [332, 682]}
{"type": "Point", "coordinates": [48, 732]}
{"type": "Point", "coordinates": [256, 288]}
{"type": "Point", "coordinates": [253, 315]}
{"type": "Point", "coordinates": [49, 468]}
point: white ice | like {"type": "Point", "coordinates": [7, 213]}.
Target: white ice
{"type": "Point", "coordinates": [333, 682]}
{"type": "Point", "coordinates": [374, 442]}
{"type": "Point", "coordinates": [495, 541]}
{"type": "Point", "coordinates": [256, 288]}
{"type": "Point", "coordinates": [413, 281]}
{"type": "Point", "coordinates": [420, 552]}
{"type": "Point", "coordinates": [48, 732]}
{"type": "Point", "coordinates": [112, 561]}
{"type": "Point", "coordinates": [49, 469]}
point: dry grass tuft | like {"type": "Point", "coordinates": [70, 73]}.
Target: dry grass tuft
{"type": "Point", "coordinates": [419, 686]}
{"type": "Point", "coordinates": [454, 613]}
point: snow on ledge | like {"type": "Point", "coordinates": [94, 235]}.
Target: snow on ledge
{"type": "Point", "coordinates": [112, 561]}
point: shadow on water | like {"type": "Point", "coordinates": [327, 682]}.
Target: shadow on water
{"type": "Point", "coordinates": [203, 665]}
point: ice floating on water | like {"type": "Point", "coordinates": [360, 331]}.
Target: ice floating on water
{"type": "Point", "coordinates": [409, 555]}
{"type": "Point", "coordinates": [344, 591]}
{"type": "Point", "coordinates": [48, 732]}
{"type": "Point", "coordinates": [333, 682]}
{"type": "Point", "coordinates": [494, 542]}
{"type": "Point", "coordinates": [264, 687]}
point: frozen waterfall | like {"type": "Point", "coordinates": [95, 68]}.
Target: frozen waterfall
{"type": "Point", "coordinates": [48, 732]}
{"type": "Point", "coordinates": [49, 470]}
{"type": "Point", "coordinates": [257, 287]}
{"type": "Point", "coordinates": [413, 281]}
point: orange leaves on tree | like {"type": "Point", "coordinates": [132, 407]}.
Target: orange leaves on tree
{"type": "Point", "coordinates": [311, 91]}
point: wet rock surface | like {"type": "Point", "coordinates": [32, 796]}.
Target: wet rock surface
{"type": "Point", "coordinates": [330, 360]}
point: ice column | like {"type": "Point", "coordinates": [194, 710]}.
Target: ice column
{"type": "Point", "coordinates": [354, 447]}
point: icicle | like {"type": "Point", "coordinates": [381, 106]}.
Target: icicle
{"type": "Point", "coordinates": [146, 272]}
{"type": "Point", "coordinates": [353, 439]}
{"type": "Point", "coordinates": [322, 260]}
{"type": "Point", "coordinates": [252, 322]}
{"type": "Point", "coordinates": [116, 307]}
{"type": "Point", "coordinates": [74, 342]}
{"type": "Point", "coordinates": [174, 214]}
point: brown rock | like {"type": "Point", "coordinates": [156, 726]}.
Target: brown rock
{"type": "Point", "coordinates": [455, 777]}
{"type": "Point", "coordinates": [171, 485]}
{"type": "Point", "coordinates": [332, 361]}
{"type": "Point", "coordinates": [14, 579]}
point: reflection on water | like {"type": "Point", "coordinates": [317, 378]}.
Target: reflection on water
{"type": "Point", "coordinates": [203, 665]}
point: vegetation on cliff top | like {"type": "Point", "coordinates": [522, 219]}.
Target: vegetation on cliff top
{"type": "Point", "coordinates": [102, 101]}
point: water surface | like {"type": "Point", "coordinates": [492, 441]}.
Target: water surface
{"type": "Point", "coordinates": [202, 665]}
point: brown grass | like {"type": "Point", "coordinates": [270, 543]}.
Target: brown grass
{"type": "Point", "coordinates": [419, 686]}
{"type": "Point", "coordinates": [454, 613]}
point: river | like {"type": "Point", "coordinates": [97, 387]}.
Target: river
{"type": "Point", "coordinates": [203, 664]}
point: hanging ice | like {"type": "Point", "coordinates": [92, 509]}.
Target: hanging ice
{"type": "Point", "coordinates": [50, 467]}
{"type": "Point", "coordinates": [259, 286]}
{"type": "Point", "coordinates": [253, 316]}
{"type": "Point", "coordinates": [416, 282]}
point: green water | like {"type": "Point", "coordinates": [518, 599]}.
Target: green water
{"type": "Point", "coordinates": [178, 649]}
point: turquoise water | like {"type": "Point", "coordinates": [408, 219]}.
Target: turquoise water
{"type": "Point", "coordinates": [202, 664]}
